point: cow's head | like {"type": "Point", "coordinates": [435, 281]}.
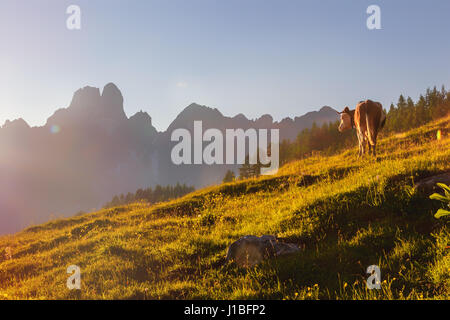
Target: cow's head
{"type": "Point", "coordinates": [346, 120]}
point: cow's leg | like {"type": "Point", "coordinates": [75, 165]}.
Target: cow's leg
{"type": "Point", "coordinates": [361, 144]}
{"type": "Point", "coordinates": [374, 140]}
{"type": "Point", "coordinates": [372, 137]}
{"type": "Point", "coordinates": [374, 145]}
{"type": "Point", "coordinates": [368, 146]}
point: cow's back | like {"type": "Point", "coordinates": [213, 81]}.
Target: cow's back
{"type": "Point", "coordinates": [368, 116]}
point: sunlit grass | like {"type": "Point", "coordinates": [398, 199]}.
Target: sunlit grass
{"type": "Point", "coordinates": [344, 214]}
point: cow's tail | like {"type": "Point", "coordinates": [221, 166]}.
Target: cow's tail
{"type": "Point", "coordinates": [382, 116]}
{"type": "Point", "coordinates": [370, 133]}
{"type": "Point", "coordinates": [383, 119]}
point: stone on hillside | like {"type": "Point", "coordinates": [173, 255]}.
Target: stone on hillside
{"type": "Point", "coordinates": [249, 251]}
{"type": "Point", "coordinates": [428, 185]}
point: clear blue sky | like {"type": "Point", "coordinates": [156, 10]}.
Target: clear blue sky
{"type": "Point", "coordinates": [279, 57]}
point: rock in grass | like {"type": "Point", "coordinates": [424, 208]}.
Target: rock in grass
{"type": "Point", "coordinates": [428, 185]}
{"type": "Point", "coordinates": [249, 251]}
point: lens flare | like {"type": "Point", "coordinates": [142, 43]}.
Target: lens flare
{"type": "Point", "coordinates": [55, 129]}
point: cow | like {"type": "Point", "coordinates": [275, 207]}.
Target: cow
{"type": "Point", "coordinates": [368, 118]}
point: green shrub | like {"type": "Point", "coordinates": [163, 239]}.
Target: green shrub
{"type": "Point", "coordinates": [443, 198]}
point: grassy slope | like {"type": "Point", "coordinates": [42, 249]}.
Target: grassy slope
{"type": "Point", "coordinates": [345, 214]}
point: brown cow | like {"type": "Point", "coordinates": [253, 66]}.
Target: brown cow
{"type": "Point", "coordinates": [368, 118]}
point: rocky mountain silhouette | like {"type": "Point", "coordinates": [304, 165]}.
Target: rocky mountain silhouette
{"type": "Point", "coordinates": [91, 150]}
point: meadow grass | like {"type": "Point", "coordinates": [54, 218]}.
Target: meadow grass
{"type": "Point", "coordinates": [344, 213]}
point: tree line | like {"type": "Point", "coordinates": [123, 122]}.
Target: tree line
{"type": "Point", "coordinates": [408, 114]}
{"type": "Point", "coordinates": [158, 194]}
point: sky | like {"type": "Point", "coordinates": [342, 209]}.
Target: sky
{"type": "Point", "coordinates": [282, 57]}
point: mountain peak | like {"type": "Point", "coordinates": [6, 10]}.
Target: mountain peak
{"type": "Point", "coordinates": [141, 125]}
{"type": "Point", "coordinates": [240, 116]}
{"type": "Point", "coordinates": [327, 109]}
{"type": "Point", "coordinates": [195, 112]}
{"type": "Point", "coordinates": [265, 120]}
{"type": "Point", "coordinates": [111, 91]}
{"type": "Point", "coordinates": [195, 107]}
{"type": "Point", "coordinates": [112, 102]}
{"type": "Point", "coordinates": [89, 106]}
{"type": "Point", "coordinates": [17, 124]}
{"type": "Point", "coordinates": [141, 117]}
{"type": "Point", "coordinates": [85, 97]}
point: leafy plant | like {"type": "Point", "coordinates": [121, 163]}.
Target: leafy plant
{"type": "Point", "coordinates": [443, 198]}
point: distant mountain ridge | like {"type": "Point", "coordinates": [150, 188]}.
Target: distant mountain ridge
{"type": "Point", "coordinates": [91, 150]}
{"type": "Point", "coordinates": [289, 127]}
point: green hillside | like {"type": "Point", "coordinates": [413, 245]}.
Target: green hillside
{"type": "Point", "coordinates": [344, 213]}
